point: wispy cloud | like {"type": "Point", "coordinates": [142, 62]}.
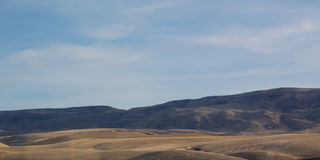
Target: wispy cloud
{"type": "Point", "coordinates": [73, 73]}
{"type": "Point", "coordinates": [75, 54]}
{"type": "Point", "coordinates": [109, 32]}
{"type": "Point", "coordinates": [261, 40]}
{"type": "Point", "coordinates": [150, 7]}
{"type": "Point", "coordinates": [309, 58]}
{"type": "Point", "coordinates": [126, 53]}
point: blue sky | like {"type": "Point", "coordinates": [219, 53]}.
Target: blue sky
{"type": "Point", "coordinates": [128, 53]}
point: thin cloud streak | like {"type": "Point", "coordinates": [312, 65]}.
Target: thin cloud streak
{"type": "Point", "coordinates": [109, 32]}
{"type": "Point", "coordinates": [261, 41]}
{"type": "Point", "coordinates": [134, 53]}
{"type": "Point", "coordinates": [150, 8]}
{"type": "Point", "coordinates": [75, 54]}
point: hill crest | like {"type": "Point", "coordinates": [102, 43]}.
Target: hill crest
{"type": "Point", "coordinates": [274, 110]}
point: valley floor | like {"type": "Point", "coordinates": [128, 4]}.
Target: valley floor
{"type": "Point", "coordinates": [125, 144]}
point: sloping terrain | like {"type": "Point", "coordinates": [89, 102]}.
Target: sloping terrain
{"type": "Point", "coordinates": [284, 109]}
{"type": "Point", "coordinates": [185, 155]}
{"type": "Point", "coordinates": [276, 110]}
{"type": "Point", "coordinates": [41, 120]}
{"type": "Point", "coordinates": [142, 144]}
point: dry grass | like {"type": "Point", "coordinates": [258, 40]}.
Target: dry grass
{"type": "Point", "coordinates": [123, 144]}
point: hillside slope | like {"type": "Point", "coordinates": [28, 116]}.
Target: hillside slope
{"type": "Point", "coordinates": [147, 144]}
{"type": "Point", "coordinates": [41, 120]}
{"type": "Point", "coordinates": [275, 110]}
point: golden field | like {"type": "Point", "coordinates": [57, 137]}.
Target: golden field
{"type": "Point", "coordinates": [142, 144]}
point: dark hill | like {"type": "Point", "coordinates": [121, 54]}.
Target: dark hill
{"type": "Point", "coordinates": [40, 120]}
{"type": "Point", "coordinates": [283, 109]}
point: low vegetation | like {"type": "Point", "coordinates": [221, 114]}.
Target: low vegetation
{"type": "Point", "coordinates": [146, 144]}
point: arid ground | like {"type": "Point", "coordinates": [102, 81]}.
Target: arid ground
{"type": "Point", "coordinates": [124, 144]}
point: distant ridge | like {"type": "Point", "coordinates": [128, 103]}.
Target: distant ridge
{"type": "Point", "coordinates": [274, 110]}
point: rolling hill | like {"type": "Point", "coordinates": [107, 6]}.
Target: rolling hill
{"type": "Point", "coordinates": [150, 144]}
{"type": "Point", "coordinates": [275, 110]}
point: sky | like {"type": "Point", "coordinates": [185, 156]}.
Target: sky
{"type": "Point", "coordinates": [126, 53]}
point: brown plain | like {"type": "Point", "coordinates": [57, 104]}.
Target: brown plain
{"type": "Point", "coordinates": [143, 144]}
